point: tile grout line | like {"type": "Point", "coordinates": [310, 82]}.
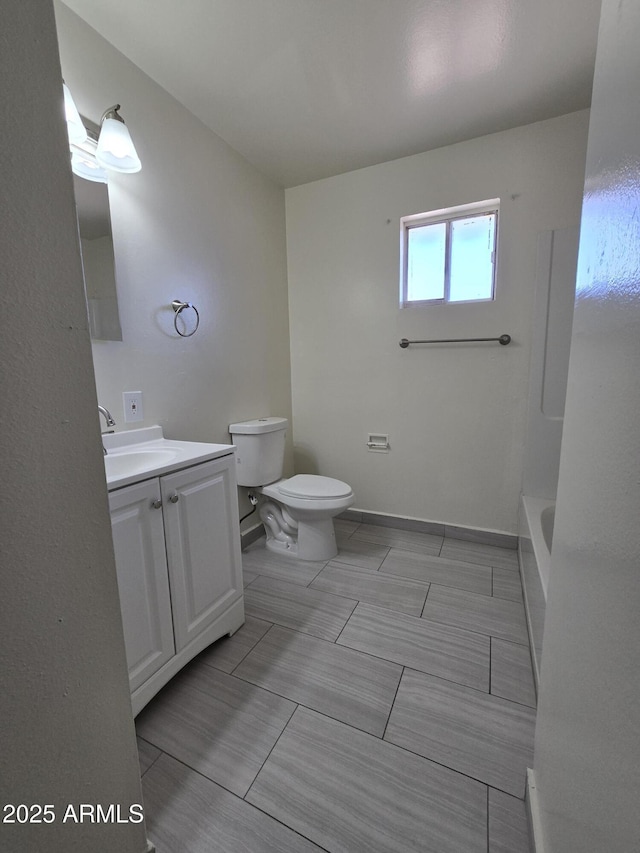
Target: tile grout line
{"type": "Point", "coordinates": [248, 653]}
{"type": "Point", "coordinates": [393, 702]}
{"type": "Point", "coordinates": [284, 728]}
{"type": "Point", "coordinates": [243, 798]}
{"type": "Point", "coordinates": [344, 626]}
{"type": "Point", "coordinates": [488, 834]}
{"type": "Point", "coordinates": [490, 665]}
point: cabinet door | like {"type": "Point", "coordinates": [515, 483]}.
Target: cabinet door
{"type": "Point", "coordinates": [143, 583]}
{"type": "Point", "coordinates": [203, 544]}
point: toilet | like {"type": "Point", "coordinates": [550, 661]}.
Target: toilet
{"type": "Point", "coordinates": [298, 511]}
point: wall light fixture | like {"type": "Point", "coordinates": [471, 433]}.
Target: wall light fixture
{"type": "Point", "coordinates": [75, 128]}
{"type": "Point", "coordinates": [84, 163]}
{"type": "Point", "coordinates": [115, 149]}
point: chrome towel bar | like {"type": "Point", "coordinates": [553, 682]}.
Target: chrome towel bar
{"type": "Point", "coordinates": [503, 339]}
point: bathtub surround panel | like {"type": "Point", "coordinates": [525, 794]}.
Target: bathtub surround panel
{"type": "Point", "coordinates": [456, 414]}
{"type": "Point", "coordinates": [586, 758]}
{"type": "Point", "coordinates": [197, 223]}
{"type": "Point", "coordinates": [552, 320]}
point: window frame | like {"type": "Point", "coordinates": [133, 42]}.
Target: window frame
{"type": "Point", "coordinates": [446, 216]}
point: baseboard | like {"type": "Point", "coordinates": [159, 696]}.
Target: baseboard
{"type": "Point", "coordinates": [454, 531]}
{"type": "Point", "coordinates": [247, 537]}
{"type": "Point", "coordinates": [533, 814]}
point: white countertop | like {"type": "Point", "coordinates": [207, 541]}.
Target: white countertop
{"type": "Point", "coordinates": [140, 454]}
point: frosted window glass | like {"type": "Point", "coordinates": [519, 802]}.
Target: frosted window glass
{"type": "Point", "coordinates": [426, 262]}
{"type": "Point", "coordinates": [472, 245]}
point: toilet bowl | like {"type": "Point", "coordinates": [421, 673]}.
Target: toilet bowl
{"type": "Point", "coordinates": [298, 518]}
{"type": "Point", "coordinates": [297, 512]}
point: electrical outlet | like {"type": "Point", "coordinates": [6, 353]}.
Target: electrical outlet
{"type": "Point", "coordinates": [132, 404]}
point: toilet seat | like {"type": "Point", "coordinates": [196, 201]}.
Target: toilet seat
{"type": "Point", "coordinates": [314, 487]}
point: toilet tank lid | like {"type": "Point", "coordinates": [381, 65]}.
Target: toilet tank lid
{"type": "Point", "coordinates": [258, 425]}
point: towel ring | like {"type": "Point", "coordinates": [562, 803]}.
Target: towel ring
{"type": "Point", "coordinates": [178, 306]}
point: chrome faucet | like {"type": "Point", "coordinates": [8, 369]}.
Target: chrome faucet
{"type": "Point", "coordinates": [107, 416]}
{"type": "Point", "coordinates": [110, 422]}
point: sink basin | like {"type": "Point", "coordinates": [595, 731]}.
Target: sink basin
{"type": "Point", "coordinates": [140, 454]}
{"type": "Point", "coordinates": [125, 463]}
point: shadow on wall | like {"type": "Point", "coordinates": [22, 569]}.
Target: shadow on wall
{"type": "Point", "coordinates": [305, 460]}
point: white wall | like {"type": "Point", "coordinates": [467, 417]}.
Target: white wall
{"type": "Point", "coordinates": [200, 224]}
{"type": "Point", "coordinates": [67, 733]}
{"type": "Point", "coordinates": [587, 746]}
{"type": "Point", "coordinates": [455, 414]}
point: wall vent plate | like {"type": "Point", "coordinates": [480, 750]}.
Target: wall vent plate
{"type": "Point", "coordinates": [378, 442]}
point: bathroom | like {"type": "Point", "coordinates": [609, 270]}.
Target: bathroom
{"type": "Point", "coordinates": [469, 417]}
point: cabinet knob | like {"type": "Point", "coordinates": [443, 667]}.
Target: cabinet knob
{"type": "Point", "coordinates": [156, 504]}
{"type": "Point", "coordinates": [174, 499]}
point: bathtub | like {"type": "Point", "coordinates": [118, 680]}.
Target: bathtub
{"type": "Point", "coordinates": [535, 536]}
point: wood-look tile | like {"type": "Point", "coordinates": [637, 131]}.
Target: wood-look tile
{"type": "Point", "coordinates": [476, 552]}
{"type": "Point", "coordinates": [342, 683]}
{"type": "Point", "coordinates": [483, 736]}
{"type": "Point", "coordinates": [401, 594]}
{"type": "Point", "coordinates": [483, 613]}
{"type": "Point", "coordinates": [409, 564]}
{"type": "Point", "coordinates": [348, 791]}
{"type": "Point", "coordinates": [357, 553]}
{"type": "Point", "coordinates": [186, 812]}
{"type": "Point", "coordinates": [147, 754]}
{"type": "Point", "coordinates": [298, 607]}
{"type": "Point", "coordinates": [217, 724]}
{"type": "Point", "coordinates": [507, 584]}
{"type": "Point", "coordinates": [508, 826]}
{"type": "Point", "coordinates": [511, 673]}
{"type": "Point", "coordinates": [227, 652]}
{"type": "Point", "coordinates": [460, 656]}
{"type": "Point", "coordinates": [409, 540]}
{"type": "Point", "coordinates": [248, 577]}
{"type": "Point", "coordinates": [282, 567]}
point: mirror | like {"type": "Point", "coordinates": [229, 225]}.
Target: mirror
{"type": "Point", "coordinates": [94, 222]}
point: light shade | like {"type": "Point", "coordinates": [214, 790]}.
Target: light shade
{"type": "Point", "coordinates": [115, 149]}
{"type": "Point", "coordinates": [75, 128]}
{"type": "Point", "coordinates": [84, 165]}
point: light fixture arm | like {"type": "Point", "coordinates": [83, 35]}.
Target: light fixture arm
{"type": "Point", "coordinates": [112, 112]}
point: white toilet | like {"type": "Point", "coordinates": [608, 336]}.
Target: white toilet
{"type": "Point", "coordinates": [298, 518]}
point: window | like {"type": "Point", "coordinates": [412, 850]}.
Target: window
{"type": "Point", "coordinates": [449, 255]}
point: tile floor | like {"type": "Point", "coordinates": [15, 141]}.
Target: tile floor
{"type": "Point", "coordinates": [383, 701]}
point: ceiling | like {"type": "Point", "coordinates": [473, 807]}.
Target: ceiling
{"type": "Point", "coordinates": [305, 89]}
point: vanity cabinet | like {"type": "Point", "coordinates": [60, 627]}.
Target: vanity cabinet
{"type": "Point", "coordinates": [177, 546]}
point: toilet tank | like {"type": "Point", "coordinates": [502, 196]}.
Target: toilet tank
{"type": "Point", "coordinates": [260, 454]}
